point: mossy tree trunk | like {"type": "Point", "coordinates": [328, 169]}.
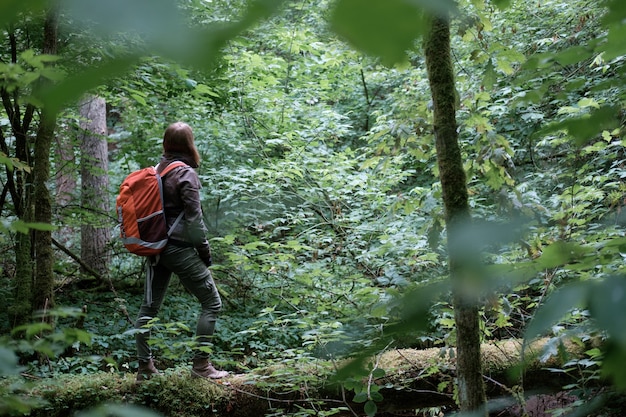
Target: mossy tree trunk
{"type": "Point", "coordinates": [20, 186]}
{"type": "Point", "coordinates": [44, 277]}
{"type": "Point", "coordinates": [471, 389]}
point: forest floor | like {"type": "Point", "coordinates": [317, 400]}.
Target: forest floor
{"type": "Point", "coordinates": [416, 383]}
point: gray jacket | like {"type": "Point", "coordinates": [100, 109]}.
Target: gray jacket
{"type": "Point", "coordinates": [181, 193]}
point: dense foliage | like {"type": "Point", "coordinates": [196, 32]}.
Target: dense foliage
{"type": "Point", "coordinates": [320, 181]}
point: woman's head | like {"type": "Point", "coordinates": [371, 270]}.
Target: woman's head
{"type": "Point", "coordinates": [178, 139]}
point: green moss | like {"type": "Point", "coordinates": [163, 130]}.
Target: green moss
{"type": "Point", "coordinates": [175, 393]}
{"type": "Point", "coordinates": [172, 393]}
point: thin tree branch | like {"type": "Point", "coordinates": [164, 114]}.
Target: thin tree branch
{"type": "Point", "coordinates": [76, 258]}
{"type": "Point", "coordinates": [93, 273]}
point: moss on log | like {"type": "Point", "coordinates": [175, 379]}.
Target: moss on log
{"type": "Point", "coordinates": [414, 379]}
{"type": "Point", "coordinates": [425, 378]}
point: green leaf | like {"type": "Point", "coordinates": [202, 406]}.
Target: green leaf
{"type": "Point", "coordinates": [146, 18]}
{"type": "Point", "coordinates": [23, 227]}
{"type": "Point", "coordinates": [52, 74]}
{"type": "Point", "coordinates": [10, 10]}
{"type": "Point", "coordinates": [139, 99]}
{"type": "Point", "coordinates": [501, 4]}
{"type": "Point", "coordinates": [587, 126]}
{"type": "Point", "coordinates": [607, 306]}
{"type": "Point", "coordinates": [617, 30]}
{"type": "Point", "coordinates": [376, 396]}
{"type": "Point", "coordinates": [573, 55]}
{"type": "Point", "coordinates": [45, 227]}
{"type": "Point", "coordinates": [613, 364]}
{"type": "Point", "coordinates": [72, 88]}
{"type": "Point", "coordinates": [561, 253]}
{"type": "Point", "coordinates": [77, 335]}
{"type": "Point", "coordinates": [594, 353]}
{"type": "Point", "coordinates": [181, 41]}
{"type": "Point", "coordinates": [416, 305]}
{"type": "Point", "coordinates": [370, 408]}
{"type": "Point", "coordinates": [555, 308]}
{"type": "Point", "coordinates": [203, 89]}
{"type": "Point", "coordinates": [62, 311]}
{"type": "Point", "coordinates": [32, 329]}
{"type": "Point", "coordinates": [385, 29]}
{"type": "Point", "coordinates": [228, 239]}
{"type": "Point", "coordinates": [118, 410]}
{"type": "Point", "coordinates": [490, 77]}
{"type": "Point", "coordinates": [360, 397]}
{"type": "Point", "coordinates": [349, 384]}
{"type": "Point", "coordinates": [13, 163]}
{"type": "Point", "coordinates": [255, 245]}
{"type": "Point", "coordinates": [8, 362]}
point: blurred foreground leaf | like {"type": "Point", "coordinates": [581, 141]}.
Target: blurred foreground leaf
{"type": "Point", "coordinates": [386, 29]}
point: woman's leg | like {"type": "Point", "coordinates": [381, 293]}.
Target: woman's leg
{"type": "Point", "coordinates": [211, 304]}
{"type": "Point", "coordinates": [155, 286]}
{"type": "Point", "coordinates": [197, 279]}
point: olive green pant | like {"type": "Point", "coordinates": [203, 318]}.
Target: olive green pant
{"type": "Point", "coordinates": [195, 277]}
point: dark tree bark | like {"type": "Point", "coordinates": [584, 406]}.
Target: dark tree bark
{"type": "Point", "coordinates": [21, 309]}
{"type": "Point", "coordinates": [457, 214]}
{"type": "Point", "coordinates": [95, 233]}
{"type": "Point", "coordinates": [44, 277]}
{"type": "Point", "coordinates": [20, 186]}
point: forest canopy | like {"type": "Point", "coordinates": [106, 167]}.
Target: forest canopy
{"type": "Point", "coordinates": [324, 187]}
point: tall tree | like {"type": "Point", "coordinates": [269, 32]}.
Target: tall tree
{"type": "Point", "coordinates": [457, 214]}
{"type": "Point", "coordinates": [95, 233]}
{"type": "Point", "coordinates": [19, 181]}
{"type": "Point", "coordinates": [44, 277]}
{"type": "Point", "coordinates": [66, 180]}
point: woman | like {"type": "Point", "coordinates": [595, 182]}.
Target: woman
{"type": "Point", "coordinates": [187, 254]}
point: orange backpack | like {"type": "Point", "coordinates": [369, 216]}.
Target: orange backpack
{"type": "Point", "coordinates": [140, 213]}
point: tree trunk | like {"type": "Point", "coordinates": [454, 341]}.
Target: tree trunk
{"type": "Point", "coordinates": [44, 276]}
{"type": "Point", "coordinates": [66, 178]}
{"type": "Point", "coordinates": [20, 186]}
{"type": "Point", "coordinates": [21, 309]}
{"type": "Point", "coordinates": [21, 194]}
{"type": "Point", "coordinates": [95, 233]}
{"type": "Point", "coordinates": [471, 391]}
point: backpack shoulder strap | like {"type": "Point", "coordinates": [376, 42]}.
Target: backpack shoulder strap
{"type": "Point", "coordinates": [167, 169]}
{"type": "Point", "coordinates": [178, 219]}
{"type": "Point", "coordinates": [170, 167]}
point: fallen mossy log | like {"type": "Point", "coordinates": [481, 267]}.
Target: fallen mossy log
{"type": "Point", "coordinates": [413, 379]}
{"type": "Point", "coordinates": [425, 378]}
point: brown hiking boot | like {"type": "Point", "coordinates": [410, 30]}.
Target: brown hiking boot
{"type": "Point", "coordinates": [202, 368]}
{"type": "Point", "coordinates": [146, 370]}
